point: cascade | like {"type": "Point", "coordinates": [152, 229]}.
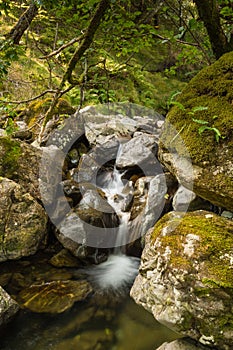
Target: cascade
{"type": "Point", "coordinates": [120, 270]}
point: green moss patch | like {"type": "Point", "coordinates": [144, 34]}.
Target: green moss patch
{"type": "Point", "coordinates": [10, 152]}
{"type": "Point", "coordinates": [212, 88]}
{"type": "Point", "coordinates": [213, 250]}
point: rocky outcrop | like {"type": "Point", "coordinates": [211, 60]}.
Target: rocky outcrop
{"type": "Point", "coordinates": [185, 277]}
{"type": "Point", "coordinates": [22, 222]}
{"type": "Point", "coordinates": [8, 307]}
{"type": "Point", "coordinates": [211, 158]}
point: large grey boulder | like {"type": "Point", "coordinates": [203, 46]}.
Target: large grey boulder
{"type": "Point", "coordinates": [185, 276]}
{"type": "Point", "coordinates": [22, 222]}
{"type": "Point", "coordinates": [8, 307]}
{"type": "Point", "coordinates": [92, 223]}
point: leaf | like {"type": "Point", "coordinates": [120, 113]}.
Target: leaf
{"type": "Point", "coordinates": [203, 128]}
{"type": "Point", "coordinates": [178, 104]}
{"type": "Point", "coordinates": [200, 121]}
{"type": "Point", "coordinates": [199, 108]}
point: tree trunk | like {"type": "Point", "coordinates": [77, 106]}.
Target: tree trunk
{"type": "Point", "coordinates": [209, 13]}
{"type": "Point", "coordinates": [87, 40]}
{"type": "Point", "coordinates": [23, 23]}
{"type": "Point", "coordinates": [79, 52]}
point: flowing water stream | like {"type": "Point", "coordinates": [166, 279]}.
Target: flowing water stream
{"type": "Point", "coordinates": [120, 270]}
{"type": "Point", "coordinates": [109, 320]}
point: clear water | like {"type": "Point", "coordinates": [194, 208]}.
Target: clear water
{"type": "Point", "coordinates": [129, 326]}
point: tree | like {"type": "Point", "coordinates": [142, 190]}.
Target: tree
{"type": "Point", "coordinates": [210, 14]}
{"type": "Point", "coordinates": [23, 23]}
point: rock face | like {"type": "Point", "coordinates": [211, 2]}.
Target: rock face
{"type": "Point", "coordinates": [22, 222]}
{"type": "Point", "coordinates": [185, 277]}
{"type": "Point", "coordinates": [212, 160]}
{"type": "Point", "coordinates": [8, 307]}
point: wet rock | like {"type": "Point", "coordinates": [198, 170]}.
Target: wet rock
{"type": "Point", "coordinates": [186, 200]}
{"type": "Point", "coordinates": [8, 307]}
{"type": "Point", "coordinates": [64, 259]}
{"type": "Point", "coordinates": [182, 344]}
{"type": "Point", "coordinates": [88, 340]}
{"type": "Point", "coordinates": [148, 203]}
{"type": "Point", "coordinates": [185, 276]}
{"type": "Point", "coordinates": [22, 222]}
{"type": "Point", "coordinates": [54, 297]}
{"type": "Point", "coordinates": [227, 214]}
{"type": "Point", "coordinates": [89, 225]}
{"type": "Point", "coordinates": [139, 151]}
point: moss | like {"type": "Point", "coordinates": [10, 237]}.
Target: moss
{"type": "Point", "coordinates": [10, 153]}
{"type": "Point", "coordinates": [214, 247]}
{"type": "Point", "coordinates": [213, 88]}
{"type": "Point", "coordinates": [37, 108]}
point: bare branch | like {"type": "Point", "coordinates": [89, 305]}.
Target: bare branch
{"type": "Point", "coordinates": [61, 48]}
{"type": "Point", "coordinates": [178, 40]}
{"type": "Point", "coordinates": [30, 99]}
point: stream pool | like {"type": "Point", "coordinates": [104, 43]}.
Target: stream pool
{"type": "Point", "coordinates": [87, 326]}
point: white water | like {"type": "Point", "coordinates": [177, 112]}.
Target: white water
{"type": "Point", "coordinates": [120, 270]}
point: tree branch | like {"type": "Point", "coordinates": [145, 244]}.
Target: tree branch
{"type": "Point", "coordinates": [61, 48]}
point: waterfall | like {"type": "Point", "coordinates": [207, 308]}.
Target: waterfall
{"type": "Point", "coordinates": [120, 270]}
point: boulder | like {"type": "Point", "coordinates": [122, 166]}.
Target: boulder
{"type": "Point", "coordinates": [8, 307]}
{"type": "Point", "coordinates": [54, 297]}
{"type": "Point", "coordinates": [139, 151]}
{"type": "Point", "coordinates": [23, 222]}
{"type": "Point", "coordinates": [182, 344]}
{"type": "Point", "coordinates": [31, 167]}
{"type": "Point", "coordinates": [185, 276]}
{"type": "Point", "coordinates": [186, 200]}
{"type": "Point", "coordinates": [92, 223]}
{"type": "Point", "coordinates": [148, 203]}
{"type": "Point", "coordinates": [212, 159]}
{"type": "Point", "coordinates": [19, 162]}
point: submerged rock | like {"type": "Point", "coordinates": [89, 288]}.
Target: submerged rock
{"type": "Point", "coordinates": [8, 307]}
{"type": "Point", "coordinates": [54, 297]}
{"type": "Point", "coordinates": [88, 340]}
{"type": "Point", "coordinates": [185, 276]}
{"type": "Point", "coordinates": [23, 222]}
{"type": "Point", "coordinates": [212, 159]}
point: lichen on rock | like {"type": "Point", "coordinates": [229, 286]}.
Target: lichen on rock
{"type": "Point", "coordinates": [185, 277]}
{"type": "Point", "coordinates": [22, 222]}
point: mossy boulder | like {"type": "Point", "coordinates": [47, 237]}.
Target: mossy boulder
{"type": "Point", "coordinates": [186, 277]}
{"type": "Point", "coordinates": [19, 162]}
{"type": "Point", "coordinates": [212, 160]}
{"type": "Point", "coordinates": [23, 222]}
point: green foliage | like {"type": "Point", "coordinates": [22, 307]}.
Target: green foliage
{"type": "Point", "coordinates": [8, 53]}
{"type": "Point", "coordinates": [204, 123]}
